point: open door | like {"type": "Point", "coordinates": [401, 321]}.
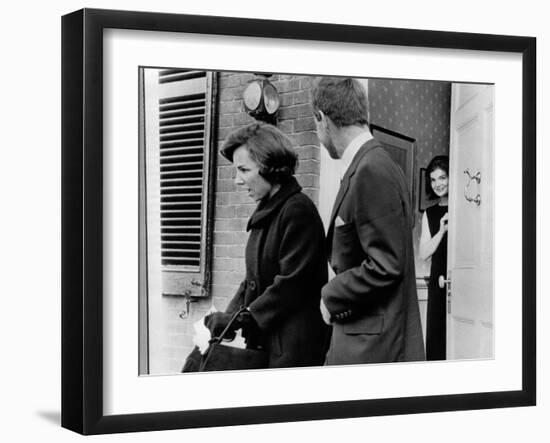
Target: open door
{"type": "Point", "coordinates": [470, 260]}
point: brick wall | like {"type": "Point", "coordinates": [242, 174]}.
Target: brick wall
{"type": "Point", "coordinates": [234, 206]}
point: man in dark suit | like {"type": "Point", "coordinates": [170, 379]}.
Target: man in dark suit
{"type": "Point", "coordinates": [371, 302]}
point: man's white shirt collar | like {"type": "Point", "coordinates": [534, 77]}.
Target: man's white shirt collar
{"type": "Point", "coordinates": [351, 150]}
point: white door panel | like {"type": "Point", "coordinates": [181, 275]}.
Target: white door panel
{"type": "Point", "coordinates": [471, 227]}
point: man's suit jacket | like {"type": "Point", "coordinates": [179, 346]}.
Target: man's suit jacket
{"type": "Point", "coordinates": [372, 298]}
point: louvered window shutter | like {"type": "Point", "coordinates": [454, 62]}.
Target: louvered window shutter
{"type": "Point", "coordinates": [184, 155]}
{"type": "Point", "coordinates": [182, 145]}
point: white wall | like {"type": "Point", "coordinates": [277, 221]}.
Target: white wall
{"type": "Point", "coordinates": [30, 222]}
{"type": "Point", "coordinates": [330, 180]}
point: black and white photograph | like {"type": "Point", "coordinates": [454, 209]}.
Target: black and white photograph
{"type": "Point", "coordinates": [274, 221]}
{"type": "Point", "coordinates": [294, 220]}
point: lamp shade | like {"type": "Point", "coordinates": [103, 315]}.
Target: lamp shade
{"type": "Point", "coordinates": [271, 98]}
{"type": "Point", "coordinates": [252, 96]}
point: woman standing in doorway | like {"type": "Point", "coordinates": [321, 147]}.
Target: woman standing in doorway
{"type": "Point", "coordinates": [433, 244]}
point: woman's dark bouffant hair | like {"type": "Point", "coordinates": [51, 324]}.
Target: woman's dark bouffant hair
{"type": "Point", "coordinates": [268, 147]}
{"type": "Point", "coordinates": [438, 162]}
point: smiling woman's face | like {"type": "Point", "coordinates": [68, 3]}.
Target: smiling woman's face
{"type": "Point", "coordinates": [440, 182]}
{"type": "Point", "coordinates": [248, 174]}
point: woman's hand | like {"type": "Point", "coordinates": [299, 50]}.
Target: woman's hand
{"type": "Point", "coordinates": [444, 223]}
{"type": "Point", "coordinates": [217, 322]}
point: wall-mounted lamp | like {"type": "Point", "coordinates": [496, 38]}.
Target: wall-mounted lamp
{"type": "Point", "coordinates": [261, 99]}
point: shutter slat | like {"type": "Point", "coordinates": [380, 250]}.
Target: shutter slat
{"type": "Point", "coordinates": [180, 179]}
{"type": "Point", "coordinates": [187, 140]}
{"type": "Point", "coordinates": [185, 127]}
{"type": "Point", "coordinates": [189, 165]}
{"type": "Point", "coordinates": [189, 197]}
{"type": "Point", "coordinates": [184, 188]}
{"type": "Point", "coordinates": [168, 258]}
{"type": "Point", "coordinates": [184, 242]}
{"type": "Point", "coordinates": [176, 120]}
{"type": "Point", "coordinates": [181, 215]}
{"type": "Point", "coordinates": [186, 136]}
{"type": "Point", "coordinates": [185, 104]}
{"type": "Point", "coordinates": [179, 211]}
{"type": "Point", "coordinates": [186, 145]}
{"type": "Point", "coordinates": [174, 158]}
{"type": "Point", "coordinates": [190, 230]}
{"type": "Point", "coordinates": [182, 111]}
{"type": "Point", "coordinates": [169, 71]}
{"type": "Point", "coordinates": [180, 76]}
{"type": "Point", "coordinates": [179, 98]}
{"type": "Point", "coordinates": [196, 173]}
{"type": "Point", "coordinates": [171, 235]}
{"type": "Point", "coordinates": [183, 203]}
{"type": "Point", "coordinates": [182, 219]}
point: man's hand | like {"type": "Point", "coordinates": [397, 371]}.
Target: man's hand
{"type": "Point", "coordinates": [324, 312]}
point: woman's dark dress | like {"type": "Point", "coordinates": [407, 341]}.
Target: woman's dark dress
{"type": "Point", "coordinates": [436, 332]}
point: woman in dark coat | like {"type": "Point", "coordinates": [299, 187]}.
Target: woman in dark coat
{"type": "Point", "coordinates": [285, 257]}
{"type": "Point", "coordinates": [433, 245]}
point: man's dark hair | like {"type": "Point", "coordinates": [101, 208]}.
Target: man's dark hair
{"type": "Point", "coordinates": [438, 162]}
{"type": "Point", "coordinates": [344, 100]}
{"type": "Point", "coordinates": [268, 147]}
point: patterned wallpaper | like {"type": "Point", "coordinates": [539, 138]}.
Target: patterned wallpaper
{"type": "Point", "coordinates": [417, 109]}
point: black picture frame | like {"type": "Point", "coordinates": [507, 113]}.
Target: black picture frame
{"type": "Point", "coordinates": [82, 218]}
{"type": "Point", "coordinates": [402, 150]}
